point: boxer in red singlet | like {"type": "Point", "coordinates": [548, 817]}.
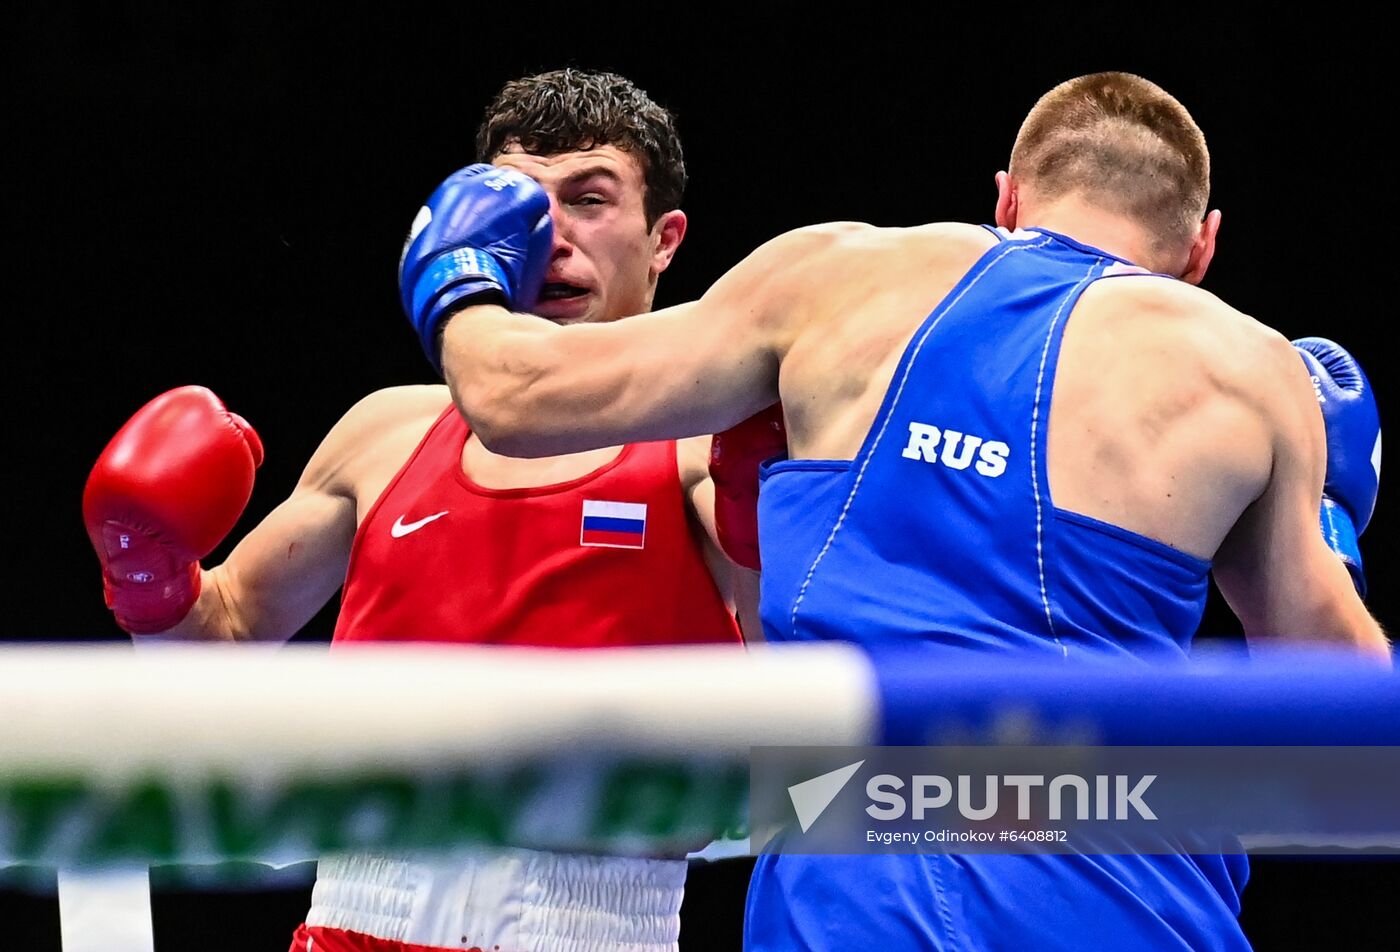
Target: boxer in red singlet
{"type": "Point", "coordinates": [436, 538]}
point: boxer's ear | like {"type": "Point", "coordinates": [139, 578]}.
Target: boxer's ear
{"type": "Point", "coordinates": [1008, 202]}
{"type": "Point", "coordinates": [1202, 249]}
{"type": "Point", "coordinates": [666, 235]}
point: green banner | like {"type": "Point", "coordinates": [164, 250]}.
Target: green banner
{"type": "Point", "coordinates": [625, 806]}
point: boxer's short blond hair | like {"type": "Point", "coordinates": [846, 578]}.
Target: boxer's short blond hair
{"type": "Point", "coordinates": [1124, 143]}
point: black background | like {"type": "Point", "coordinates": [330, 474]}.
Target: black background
{"type": "Point", "coordinates": [219, 195]}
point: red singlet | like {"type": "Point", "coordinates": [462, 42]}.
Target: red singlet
{"type": "Point", "coordinates": [608, 559]}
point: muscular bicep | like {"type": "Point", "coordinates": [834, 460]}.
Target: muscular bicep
{"type": "Point", "coordinates": [1274, 569]}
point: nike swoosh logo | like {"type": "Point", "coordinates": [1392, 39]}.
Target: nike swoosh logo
{"type": "Point", "coordinates": [400, 528]}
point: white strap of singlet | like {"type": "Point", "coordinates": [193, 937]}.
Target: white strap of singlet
{"type": "Point", "coordinates": [106, 910]}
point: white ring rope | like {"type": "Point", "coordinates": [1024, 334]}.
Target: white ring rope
{"type": "Point", "coordinates": [199, 754]}
{"type": "Point", "coordinates": [206, 753]}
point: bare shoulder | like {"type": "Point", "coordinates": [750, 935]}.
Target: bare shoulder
{"type": "Point", "coordinates": [807, 248]}
{"type": "Point", "coordinates": [824, 269]}
{"type": "Point", "coordinates": [807, 263]}
{"type": "Point", "coordinates": [395, 406]}
{"type": "Point", "coordinates": [1158, 297]}
{"type": "Point", "coordinates": [813, 237]}
{"type": "Point", "coordinates": [1172, 321]}
{"type": "Point", "coordinates": [954, 236]}
{"type": "Point", "coordinates": [380, 429]}
{"type": "Point", "coordinates": [844, 241]}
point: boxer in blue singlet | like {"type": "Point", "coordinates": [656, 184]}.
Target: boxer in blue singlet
{"type": "Point", "coordinates": [994, 566]}
{"type": "Point", "coordinates": [1035, 440]}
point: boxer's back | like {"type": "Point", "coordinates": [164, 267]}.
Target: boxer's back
{"type": "Point", "coordinates": [1156, 421]}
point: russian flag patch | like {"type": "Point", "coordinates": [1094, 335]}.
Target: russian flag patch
{"type": "Point", "coordinates": [613, 525]}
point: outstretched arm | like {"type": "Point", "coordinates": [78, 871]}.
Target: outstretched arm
{"type": "Point", "coordinates": [531, 388]}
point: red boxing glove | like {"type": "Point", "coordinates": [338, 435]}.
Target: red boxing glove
{"type": "Point", "coordinates": [166, 490]}
{"type": "Point", "coordinates": [735, 456]}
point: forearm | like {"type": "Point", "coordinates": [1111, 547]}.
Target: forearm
{"type": "Point", "coordinates": [1373, 642]}
{"type": "Point", "coordinates": [1364, 639]}
{"type": "Point", "coordinates": [1333, 617]}
{"type": "Point", "coordinates": [1368, 643]}
{"type": "Point", "coordinates": [531, 388]}
{"type": "Point", "coordinates": [492, 363]}
{"type": "Point", "coordinates": [278, 576]}
{"type": "Point", "coordinates": [211, 618]}
{"type": "Point", "coordinates": [1348, 625]}
{"type": "Point", "coordinates": [746, 604]}
{"type": "Point", "coordinates": [232, 611]}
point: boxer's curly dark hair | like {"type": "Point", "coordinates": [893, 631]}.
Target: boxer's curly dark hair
{"type": "Point", "coordinates": [572, 109]}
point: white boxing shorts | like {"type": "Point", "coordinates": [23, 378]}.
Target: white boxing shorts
{"type": "Point", "coordinates": [494, 900]}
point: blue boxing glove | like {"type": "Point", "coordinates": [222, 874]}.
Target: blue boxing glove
{"type": "Point", "coordinates": [1353, 425]}
{"type": "Point", "coordinates": [484, 236]}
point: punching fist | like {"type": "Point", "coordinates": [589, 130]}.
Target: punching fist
{"type": "Point", "coordinates": [484, 235]}
{"type": "Point", "coordinates": [735, 456]}
{"type": "Point", "coordinates": [166, 490]}
{"type": "Point", "coordinates": [1353, 447]}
